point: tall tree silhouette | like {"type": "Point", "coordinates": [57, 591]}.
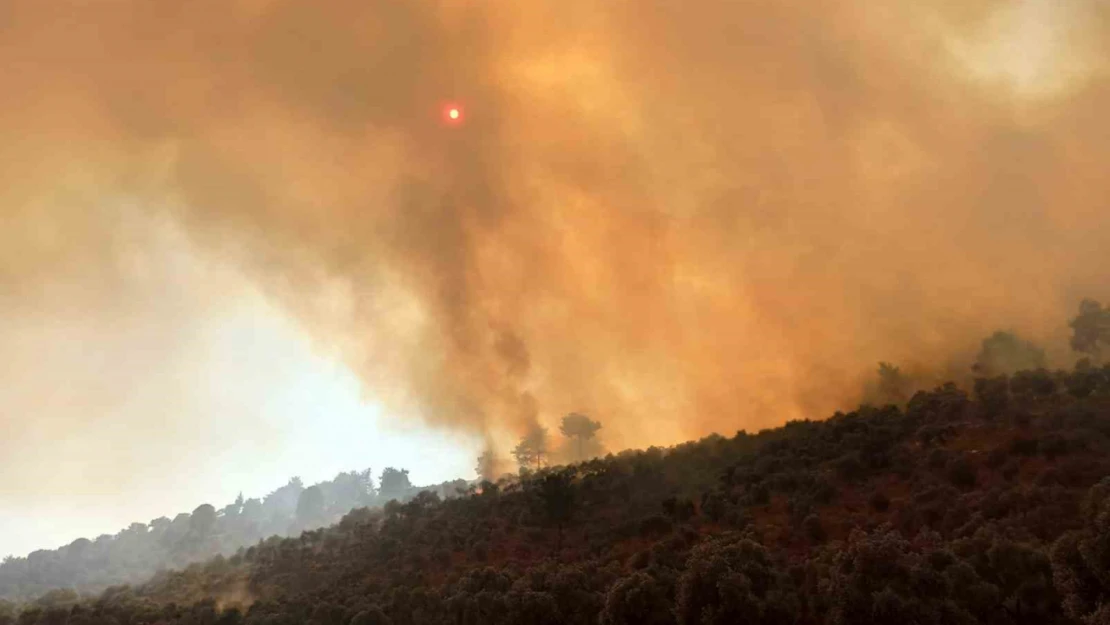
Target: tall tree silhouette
{"type": "Point", "coordinates": [487, 465]}
{"type": "Point", "coordinates": [894, 386]}
{"type": "Point", "coordinates": [1091, 328]}
{"type": "Point", "coordinates": [394, 483]}
{"type": "Point", "coordinates": [531, 452]}
{"type": "Point", "coordinates": [580, 430]}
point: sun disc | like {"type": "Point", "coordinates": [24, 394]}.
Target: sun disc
{"type": "Point", "coordinates": [452, 114]}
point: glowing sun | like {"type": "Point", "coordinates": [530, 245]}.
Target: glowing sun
{"type": "Point", "coordinates": [453, 114]}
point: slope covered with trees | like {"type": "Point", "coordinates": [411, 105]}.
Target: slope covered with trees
{"type": "Point", "coordinates": [136, 553]}
{"type": "Point", "coordinates": [986, 504]}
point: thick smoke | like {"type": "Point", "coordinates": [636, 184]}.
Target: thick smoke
{"type": "Point", "coordinates": [677, 217]}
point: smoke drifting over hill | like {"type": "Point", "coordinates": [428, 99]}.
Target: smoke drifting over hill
{"type": "Point", "coordinates": [678, 218]}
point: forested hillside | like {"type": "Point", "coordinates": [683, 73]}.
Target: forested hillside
{"type": "Point", "coordinates": [987, 507]}
{"type": "Point", "coordinates": [985, 504]}
{"type": "Point", "coordinates": [134, 554]}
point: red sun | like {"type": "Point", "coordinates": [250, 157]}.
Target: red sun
{"type": "Point", "coordinates": [452, 114]}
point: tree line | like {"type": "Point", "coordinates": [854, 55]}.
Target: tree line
{"type": "Point", "coordinates": [137, 552]}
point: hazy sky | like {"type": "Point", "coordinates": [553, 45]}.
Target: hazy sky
{"type": "Point", "coordinates": [170, 401]}
{"type": "Point", "coordinates": [226, 223]}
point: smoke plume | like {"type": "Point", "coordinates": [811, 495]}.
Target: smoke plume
{"type": "Point", "coordinates": [676, 217]}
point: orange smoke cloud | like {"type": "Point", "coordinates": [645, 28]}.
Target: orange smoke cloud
{"type": "Point", "coordinates": [676, 217]}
